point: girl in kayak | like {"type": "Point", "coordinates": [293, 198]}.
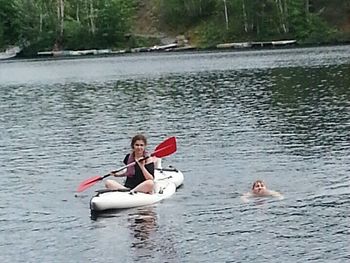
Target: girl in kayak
{"type": "Point", "coordinates": [139, 177]}
{"type": "Point", "coordinates": [259, 189]}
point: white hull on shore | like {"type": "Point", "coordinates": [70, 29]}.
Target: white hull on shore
{"type": "Point", "coordinates": [10, 53]}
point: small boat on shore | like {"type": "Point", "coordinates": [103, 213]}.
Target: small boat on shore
{"type": "Point", "coordinates": [167, 180]}
{"type": "Point", "coordinates": [75, 53]}
{"type": "Point", "coordinates": [234, 45]}
{"type": "Point", "coordinates": [10, 52]}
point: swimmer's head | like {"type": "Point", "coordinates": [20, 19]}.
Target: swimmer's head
{"type": "Point", "coordinates": [258, 187]}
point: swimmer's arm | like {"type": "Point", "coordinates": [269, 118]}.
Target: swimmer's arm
{"type": "Point", "coordinates": [245, 197]}
{"type": "Point", "coordinates": [277, 195]}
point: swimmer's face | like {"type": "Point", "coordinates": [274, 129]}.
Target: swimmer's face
{"type": "Point", "coordinates": [258, 187]}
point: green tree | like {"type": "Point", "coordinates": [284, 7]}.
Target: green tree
{"type": "Point", "coordinates": [181, 14]}
{"type": "Point", "coordinates": [8, 23]}
{"type": "Point", "coordinates": [113, 22]}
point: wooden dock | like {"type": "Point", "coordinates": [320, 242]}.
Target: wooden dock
{"type": "Point", "coordinates": [257, 44]}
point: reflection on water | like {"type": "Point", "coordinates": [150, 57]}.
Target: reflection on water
{"type": "Point", "coordinates": [149, 241]}
{"type": "Point", "coordinates": [281, 116]}
{"type": "Point", "coordinates": [140, 230]}
{"type": "Point", "coordinates": [143, 224]}
{"type": "Point", "coordinates": [311, 109]}
{"type": "Point", "coordinates": [143, 231]}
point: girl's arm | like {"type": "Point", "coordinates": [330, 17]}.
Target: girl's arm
{"type": "Point", "coordinates": [149, 171]}
{"type": "Point", "coordinates": [119, 174]}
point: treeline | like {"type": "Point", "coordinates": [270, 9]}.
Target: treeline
{"type": "Point", "coordinates": [65, 24]}
{"type": "Point", "coordinates": [84, 24]}
{"type": "Point", "coordinates": [308, 21]}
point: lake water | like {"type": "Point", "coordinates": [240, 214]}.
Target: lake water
{"type": "Point", "coordinates": [278, 115]}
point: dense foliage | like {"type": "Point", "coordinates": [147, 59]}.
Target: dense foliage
{"type": "Point", "coordinates": [65, 24]}
{"type": "Point", "coordinates": [84, 24]}
{"type": "Point", "coordinates": [308, 21]}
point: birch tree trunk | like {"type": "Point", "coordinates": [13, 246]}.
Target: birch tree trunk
{"type": "Point", "coordinates": [41, 21]}
{"type": "Point", "coordinates": [92, 18]}
{"type": "Point", "coordinates": [245, 19]}
{"type": "Point", "coordinates": [307, 5]}
{"type": "Point", "coordinates": [285, 4]}
{"type": "Point", "coordinates": [307, 11]}
{"type": "Point", "coordinates": [77, 13]}
{"type": "Point", "coordinates": [282, 15]}
{"type": "Point", "coordinates": [226, 15]}
{"type": "Point", "coordinates": [60, 17]}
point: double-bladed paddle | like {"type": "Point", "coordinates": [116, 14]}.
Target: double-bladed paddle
{"type": "Point", "coordinates": [164, 149]}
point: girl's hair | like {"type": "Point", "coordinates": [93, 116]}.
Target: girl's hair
{"type": "Point", "coordinates": [257, 182]}
{"type": "Point", "coordinates": [138, 137]}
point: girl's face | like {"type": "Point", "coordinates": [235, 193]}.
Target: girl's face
{"type": "Point", "coordinates": [139, 147]}
{"type": "Point", "coordinates": [259, 188]}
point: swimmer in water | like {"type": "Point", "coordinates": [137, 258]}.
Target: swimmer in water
{"type": "Point", "coordinates": [259, 190]}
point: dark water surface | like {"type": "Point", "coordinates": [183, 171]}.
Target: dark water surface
{"type": "Point", "coordinates": [281, 115]}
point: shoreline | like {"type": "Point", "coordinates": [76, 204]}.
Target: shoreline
{"type": "Point", "coordinates": [76, 55]}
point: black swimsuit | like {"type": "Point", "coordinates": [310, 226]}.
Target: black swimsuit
{"type": "Point", "coordinates": [133, 181]}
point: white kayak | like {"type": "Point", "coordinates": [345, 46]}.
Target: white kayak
{"type": "Point", "coordinates": [167, 180]}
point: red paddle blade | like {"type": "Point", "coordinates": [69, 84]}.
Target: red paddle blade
{"type": "Point", "coordinates": [88, 182]}
{"type": "Point", "coordinates": [165, 148]}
